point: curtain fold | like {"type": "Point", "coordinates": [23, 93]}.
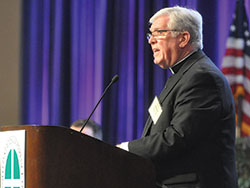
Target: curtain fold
{"type": "Point", "coordinates": [72, 49]}
{"type": "Point", "coordinates": [61, 60]}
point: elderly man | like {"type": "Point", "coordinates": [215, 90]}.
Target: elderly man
{"type": "Point", "coordinates": [190, 133]}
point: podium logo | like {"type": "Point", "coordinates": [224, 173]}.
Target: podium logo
{"type": "Point", "coordinates": [12, 168]}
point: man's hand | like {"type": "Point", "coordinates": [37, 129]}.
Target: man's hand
{"type": "Point", "coordinates": [123, 145]}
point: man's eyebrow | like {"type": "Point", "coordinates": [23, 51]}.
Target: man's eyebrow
{"type": "Point", "coordinates": [154, 29]}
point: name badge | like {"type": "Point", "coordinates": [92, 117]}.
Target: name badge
{"type": "Point", "coordinates": [155, 110]}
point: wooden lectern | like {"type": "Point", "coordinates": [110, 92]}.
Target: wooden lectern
{"type": "Point", "coordinates": [58, 157]}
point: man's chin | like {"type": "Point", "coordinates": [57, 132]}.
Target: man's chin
{"type": "Point", "coordinates": [160, 64]}
{"type": "Point", "coordinates": [156, 62]}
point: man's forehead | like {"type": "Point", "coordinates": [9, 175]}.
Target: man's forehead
{"type": "Point", "coordinates": [160, 22]}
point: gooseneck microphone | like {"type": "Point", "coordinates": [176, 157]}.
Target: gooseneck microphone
{"type": "Point", "coordinates": [114, 79]}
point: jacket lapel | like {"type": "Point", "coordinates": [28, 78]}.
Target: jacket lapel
{"type": "Point", "coordinates": [147, 125]}
{"type": "Point", "coordinates": [171, 82]}
{"type": "Point", "coordinates": [176, 77]}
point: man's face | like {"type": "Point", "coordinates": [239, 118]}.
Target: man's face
{"type": "Point", "coordinates": [165, 47]}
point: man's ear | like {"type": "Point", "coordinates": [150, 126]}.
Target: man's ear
{"type": "Point", "coordinates": [184, 38]}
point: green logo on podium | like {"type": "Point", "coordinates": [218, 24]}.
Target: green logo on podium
{"type": "Point", "coordinates": [12, 170]}
{"type": "Point", "coordinates": [12, 159]}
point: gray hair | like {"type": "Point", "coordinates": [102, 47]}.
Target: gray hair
{"type": "Point", "coordinates": [183, 19]}
{"type": "Point", "coordinates": [97, 130]}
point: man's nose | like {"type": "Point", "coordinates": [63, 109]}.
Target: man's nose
{"type": "Point", "coordinates": [152, 40]}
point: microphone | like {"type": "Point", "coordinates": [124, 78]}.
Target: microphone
{"type": "Point", "coordinates": [114, 79]}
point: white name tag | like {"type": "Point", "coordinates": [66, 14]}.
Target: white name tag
{"type": "Point", "coordinates": [155, 110]}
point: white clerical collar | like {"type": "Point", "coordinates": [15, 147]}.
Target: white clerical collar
{"type": "Point", "coordinates": [171, 68]}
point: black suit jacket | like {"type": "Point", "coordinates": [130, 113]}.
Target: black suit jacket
{"type": "Point", "coordinates": [193, 139]}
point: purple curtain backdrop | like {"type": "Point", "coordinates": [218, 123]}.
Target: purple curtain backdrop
{"type": "Point", "coordinates": [72, 49]}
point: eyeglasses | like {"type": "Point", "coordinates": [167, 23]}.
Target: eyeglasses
{"type": "Point", "coordinates": [159, 33]}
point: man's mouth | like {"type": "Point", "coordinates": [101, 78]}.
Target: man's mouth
{"type": "Point", "coordinates": [156, 51]}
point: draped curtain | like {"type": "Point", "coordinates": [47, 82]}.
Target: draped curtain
{"type": "Point", "coordinates": [62, 60]}
{"type": "Point", "coordinates": [72, 49]}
